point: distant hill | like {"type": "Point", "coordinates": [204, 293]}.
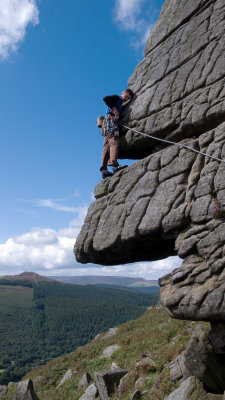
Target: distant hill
{"type": "Point", "coordinates": [26, 276]}
{"type": "Point", "coordinates": [124, 281]}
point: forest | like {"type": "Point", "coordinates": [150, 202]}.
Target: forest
{"type": "Point", "coordinates": [49, 319]}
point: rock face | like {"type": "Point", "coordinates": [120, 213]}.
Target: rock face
{"type": "Point", "coordinates": [172, 201]}
{"type": "Point", "coordinates": [179, 86]}
{"type": "Point", "coordinates": [200, 360]}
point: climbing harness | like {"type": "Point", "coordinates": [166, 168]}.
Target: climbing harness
{"type": "Point", "coordinates": [173, 143]}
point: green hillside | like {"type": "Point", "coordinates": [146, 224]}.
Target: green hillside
{"type": "Point", "coordinates": [50, 319]}
{"type": "Point", "coordinates": [154, 334]}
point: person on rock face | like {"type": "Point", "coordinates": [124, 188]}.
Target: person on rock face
{"type": "Point", "coordinates": [112, 139]}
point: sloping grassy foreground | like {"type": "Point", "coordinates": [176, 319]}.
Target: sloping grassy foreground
{"type": "Point", "coordinates": [154, 334]}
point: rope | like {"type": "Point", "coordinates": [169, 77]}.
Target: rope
{"type": "Point", "coordinates": [174, 143]}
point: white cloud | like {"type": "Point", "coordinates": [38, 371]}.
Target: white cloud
{"type": "Point", "coordinates": [15, 16]}
{"type": "Point", "coordinates": [130, 16]}
{"type": "Point", "coordinates": [41, 249]}
{"type": "Point", "coordinates": [126, 12]}
{"type": "Point", "coordinates": [53, 204]}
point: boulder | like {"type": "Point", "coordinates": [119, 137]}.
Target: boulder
{"type": "Point", "coordinates": [145, 365]}
{"type": "Point", "coordinates": [90, 393]}
{"type": "Point", "coordinates": [3, 390]}
{"type": "Point", "coordinates": [111, 332]}
{"type": "Point", "coordinates": [25, 391]}
{"type": "Point", "coordinates": [84, 381]}
{"type": "Point", "coordinates": [136, 395]}
{"type": "Point", "coordinates": [124, 384]}
{"type": "Point", "coordinates": [109, 351]}
{"type": "Point", "coordinates": [67, 376]}
{"type": "Point", "coordinates": [106, 381]}
{"type": "Point", "coordinates": [192, 389]}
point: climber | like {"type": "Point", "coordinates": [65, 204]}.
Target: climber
{"type": "Point", "coordinates": [111, 132]}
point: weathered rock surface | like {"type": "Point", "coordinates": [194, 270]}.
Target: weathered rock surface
{"type": "Point", "coordinates": [136, 395]}
{"type": "Point", "coordinates": [161, 206]}
{"type": "Point", "coordinates": [192, 389]}
{"type": "Point", "coordinates": [106, 381]}
{"type": "Point", "coordinates": [179, 86]}
{"type": "Point", "coordinates": [90, 393]}
{"type": "Point", "coordinates": [109, 351]}
{"type": "Point", "coordinates": [25, 391]}
{"type": "Point", "coordinates": [200, 360]}
{"type": "Point", "coordinates": [124, 384]}
{"type": "Point", "coordinates": [67, 376]}
{"type": "Point", "coordinates": [3, 390]}
{"type": "Point", "coordinates": [84, 381]}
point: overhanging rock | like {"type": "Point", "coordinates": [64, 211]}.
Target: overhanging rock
{"type": "Point", "coordinates": [169, 203]}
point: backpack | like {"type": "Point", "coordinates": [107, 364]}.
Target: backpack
{"type": "Point", "coordinates": [108, 125]}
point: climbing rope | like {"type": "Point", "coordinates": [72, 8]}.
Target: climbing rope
{"type": "Point", "coordinates": [174, 143]}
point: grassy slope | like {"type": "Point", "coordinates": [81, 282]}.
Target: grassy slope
{"type": "Point", "coordinates": [154, 333]}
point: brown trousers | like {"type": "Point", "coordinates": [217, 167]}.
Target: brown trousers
{"type": "Point", "coordinates": [110, 151]}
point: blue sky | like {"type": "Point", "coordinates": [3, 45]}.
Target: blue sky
{"type": "Point", "coordinates": [57, 60]}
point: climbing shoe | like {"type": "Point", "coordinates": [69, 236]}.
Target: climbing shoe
{"type": "Point", "coordinates": [119, 168]}
{"type": "Point", "coordinates": [106, 174]}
